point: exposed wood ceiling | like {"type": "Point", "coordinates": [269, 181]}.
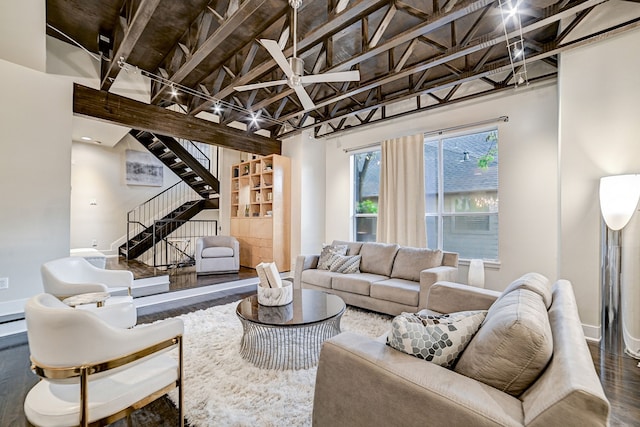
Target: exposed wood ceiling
{"type": "Point", "coordinates": [412, 54]}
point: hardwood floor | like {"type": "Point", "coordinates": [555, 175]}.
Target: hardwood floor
{"type": "Point", "coordinates": [181, 278]}
{"type": "Point", "coordinates": [620, 375]}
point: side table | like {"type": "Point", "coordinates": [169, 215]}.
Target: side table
{"type": "Point", "coordinates": [97, 298]}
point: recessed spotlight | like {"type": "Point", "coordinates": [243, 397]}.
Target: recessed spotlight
{"type": "Point", "coordinates": [174, 91]}
{"type": "Point", "coordinates": [85, 138]}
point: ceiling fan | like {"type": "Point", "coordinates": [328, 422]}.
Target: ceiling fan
{"type": "Point", "coordinates": [294, 68]}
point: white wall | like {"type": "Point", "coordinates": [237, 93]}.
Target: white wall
{"type": "Point", "coordinates": [98, 173]}
{"type": "Point", "coordinates": [34, 175]}
{"type": "Point", "coordinates": [308, 183]}
{"type": "Point", "coordinates": [527, 178]}
{"type": "Point", "coordinates": [22, 32]}
{"type": "Point", "coordinates": [599, 135]}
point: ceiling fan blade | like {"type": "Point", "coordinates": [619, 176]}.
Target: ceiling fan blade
{"type": "Point", "coordinates": [259, 85]}
{"type": "Point", "coordinates": [274, 49]}
{"type": "Point", "coordinates": [341, 76]}
{"type": "Point", "coordinates": [304, 98]}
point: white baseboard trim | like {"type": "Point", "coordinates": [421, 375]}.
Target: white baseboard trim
{"type": "Point", "coordinates": [591, 333]}
{"type": "Point", "coordinates": [632, 344]}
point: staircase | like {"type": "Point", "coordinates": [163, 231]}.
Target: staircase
{"type": "Point", "coordinates": [180, 161]}
{"type": "Point", "coordinates": [153, 221]}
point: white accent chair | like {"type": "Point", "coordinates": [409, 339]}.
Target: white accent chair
{"type": "Point", "coordinates": [93, 372]}
{"type": "Point", "coordinates": [217, 254]}
{"type": "Point", "coordinates": [65, 277]}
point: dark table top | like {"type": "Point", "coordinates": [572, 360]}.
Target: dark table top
{"type": "Point", "coordinates": [308, 307]}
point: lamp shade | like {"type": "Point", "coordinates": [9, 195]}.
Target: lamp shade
{"type": "Point", "coordinates": [618, 199]}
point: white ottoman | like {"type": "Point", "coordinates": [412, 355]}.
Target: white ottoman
{"type": "Point", "coordinates": [94, 256]}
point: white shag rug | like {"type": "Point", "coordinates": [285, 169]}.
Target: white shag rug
{"type": "Point", "coordinates": [223, 389]}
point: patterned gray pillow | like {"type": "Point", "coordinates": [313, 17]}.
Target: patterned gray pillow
{"type": "Point", "coordinates": [345, 264]}
{"type": "Point", "coordinates": [327, 252]}
{"type": "Point", "coordinates": [439, 339]}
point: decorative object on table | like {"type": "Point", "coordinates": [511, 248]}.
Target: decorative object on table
{"type": "Point", "coordinates": [143, 169]}
{"type": "Point", "coordinates": [476, 273]}
{"type": "Point", "coordinates": [619, 196]}
{"type": "Point", "coordinates": [272, 290]}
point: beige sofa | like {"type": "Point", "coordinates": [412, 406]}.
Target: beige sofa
{"type": "Point", "coordinates": [364, 382]}
{"type": "Point", "coordinates": [392, 279]}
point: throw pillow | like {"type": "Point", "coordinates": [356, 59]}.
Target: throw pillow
{"type": "Point", "coordinates": [513, 346]}
{"type": "Point", "coordinates": [327, 252]}
{"type": "Point", "coordinates": [410, 262]}
{"type": "Point", "coordinates": [345, 264]}
{"type": "Point", "coordinates": [435, 338]}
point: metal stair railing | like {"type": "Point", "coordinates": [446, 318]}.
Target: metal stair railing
{"type": "Point", "coordinates": [177, 250]}
{"type": "Point", "coordinates": [142, 217]}
{"type": "Point", "coordinates": [194, 148]}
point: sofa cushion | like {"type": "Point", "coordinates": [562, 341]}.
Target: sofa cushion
{"type": "Point", "coordinates": [328, 251]}
{"type": "Point", "coordinates": [438, 339]}
{"type": "Point", "coordinates": [410, 262]}
{"type": "Point", "coordinates": [345, 263]}
{"type": "Point", "coordinates": [377, 258]}
{"type": "Point", "coordinates": [354, 247]}
{"type": "Point", "coordinates": [318, 277]}
{"type": "Point", "coordinates": [534, 282]}
{"type": "Point", "coordinates": [402, 291]}
{"type": "Point", "coordinates": [358, 283]}
{"type": "Point", "coordinates": [217, 252]}
{"type": "Point", "coordinates": [513, 346]}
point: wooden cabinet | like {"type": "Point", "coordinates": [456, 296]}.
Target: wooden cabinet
{"type": "Point", "coordinates": [261, 210]}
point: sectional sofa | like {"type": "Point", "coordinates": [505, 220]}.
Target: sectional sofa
{"type": "Point", "coordinates": [391, 279]}
{"type": "Point", "coordinates": [527, 365]}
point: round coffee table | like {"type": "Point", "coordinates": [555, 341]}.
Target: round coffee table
{"type": "Point", "coordinates": [289, 336]}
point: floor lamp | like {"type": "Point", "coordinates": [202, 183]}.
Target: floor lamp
{"type": "Point", "coordinates": [619, 196]}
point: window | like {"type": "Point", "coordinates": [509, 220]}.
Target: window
{"type": "Point", "coordinates": [366, 167]}
{"type": "Point", "coordinates": [461, 186]}
{"type": "Point", "coordinates": [461, 194]}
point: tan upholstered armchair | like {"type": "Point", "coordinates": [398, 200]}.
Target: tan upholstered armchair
{"type": "Point", "coordinates": [65, 277]}
{"type": "Point", "coordinates": [217, 254]}
{"type": "Point", "coordinates": [92, 372]}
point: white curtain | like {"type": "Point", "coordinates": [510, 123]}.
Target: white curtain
{"type": "Point", "coordinates": [401, 205]}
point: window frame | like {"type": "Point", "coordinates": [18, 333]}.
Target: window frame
{"type": "Point", "coordinates": [440, 215]}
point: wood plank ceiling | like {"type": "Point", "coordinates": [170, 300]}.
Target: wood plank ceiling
{"type": "Point", "coordinates": [411, 54]}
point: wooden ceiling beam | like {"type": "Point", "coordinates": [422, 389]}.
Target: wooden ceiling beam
{"type": "Point", "coordinates": [550, 50]}
{"type": "Point", "coordinates": [438, 20]}
{"type": "Point", "coordinates": [552, 15]}
{"type": "Point", "coordinates": [132, 32]}
{"type": "Point", "coordinates": [112, 108]}
{"type": "Point", "coordinates": [353, 13]}
{"type": "Point", "coordinates": [213, 42]}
